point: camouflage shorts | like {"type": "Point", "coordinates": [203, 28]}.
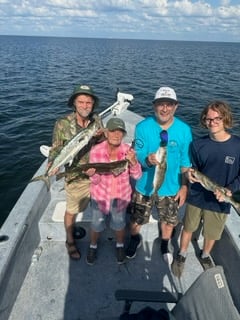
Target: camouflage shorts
{"type": "Point", "coordinates": [141, 208]}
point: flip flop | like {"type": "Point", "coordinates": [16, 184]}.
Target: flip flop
{"type": "Point", "coordinates": [72, 251]}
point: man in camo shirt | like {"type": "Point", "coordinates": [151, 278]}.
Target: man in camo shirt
{"type": "Point", "coordinates": [83, 101]}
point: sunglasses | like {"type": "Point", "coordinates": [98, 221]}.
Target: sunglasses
{"type": "Point", "coordinates": [164, 138]}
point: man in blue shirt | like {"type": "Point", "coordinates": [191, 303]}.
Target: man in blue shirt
{"type": "Point", "coordinates": [149, 136]}
{"type": "Point", "coordinates": [216, 155]}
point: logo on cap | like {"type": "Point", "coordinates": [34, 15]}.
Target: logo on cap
{"type": "Point", "coordinates": [165, 93]}
{"type": "Point", "coordinates": [84, 87]}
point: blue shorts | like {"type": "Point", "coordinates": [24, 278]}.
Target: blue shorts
{"type": "Point", "coordinates": [117, 219]}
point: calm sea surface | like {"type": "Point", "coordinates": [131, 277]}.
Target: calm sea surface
{"type": "Point", "coordinates": [38, 75]}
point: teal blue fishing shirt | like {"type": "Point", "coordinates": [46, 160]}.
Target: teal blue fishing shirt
{"type": "Point", "coordinates": [147, 140]}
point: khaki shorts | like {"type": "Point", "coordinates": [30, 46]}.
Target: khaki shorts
{"type": "Point", "coordinates": [213, 222]}
{"type": "Point", "coordinates": [77, 196]}
{"type": "Point", "coordinates": [141, 208]}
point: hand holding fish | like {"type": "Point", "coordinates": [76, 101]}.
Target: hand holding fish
{"type": "Point", "coordinates": [221, 193]}
{"type": "Point", "coordinates": [69, 151]}
{"type": "Point", "coordinates": [221, 196]}
{"type": "Point", "coordinates": [131, 157]}
{"type": "Point", "coordinates": [152, 159]}
{"type": "Point", "coordinates": [90, 172]}
{"type": "Point", "coordinates": [191, 176]}
{"type": "Point", "coordinates": [53, 172]}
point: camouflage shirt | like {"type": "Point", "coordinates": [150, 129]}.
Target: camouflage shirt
{"type": "Point", "coordinates": [64, 130]}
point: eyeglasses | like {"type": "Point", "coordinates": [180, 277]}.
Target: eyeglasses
{"type": "Point", "coordinates": [215, 120]}
{"type": "Point", "coordinates": [168, 105]}
{"type": "Point", "coordinates": [164, 138]}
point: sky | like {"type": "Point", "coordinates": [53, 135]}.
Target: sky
{"type": "Point", "coordinates": [190, 20]}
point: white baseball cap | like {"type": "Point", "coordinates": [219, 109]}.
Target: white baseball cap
{"type": "Point", "coordinates": [165, 94]}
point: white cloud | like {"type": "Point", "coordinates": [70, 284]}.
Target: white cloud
{"type": "Point", "coordinates": [228, 12]}
{"type": "Point", "coordinates": [198, 8]}
{"type": "Point", "coordinates": [180, 19]}
{"type": "Point", "coordinates": [225, 3]}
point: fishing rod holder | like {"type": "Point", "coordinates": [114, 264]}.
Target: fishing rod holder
{"type": "Point", "coordinates": [122, 103]}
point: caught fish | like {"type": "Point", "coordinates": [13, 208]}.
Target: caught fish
{"type": "Point", "coordinates": [115, 167]}
{"type": "Point", "coordinates": [209, 185]}
{"type": "Point", "coordinates": [71, 149]}
{"type": "Point", "coordinates": [161, 167]}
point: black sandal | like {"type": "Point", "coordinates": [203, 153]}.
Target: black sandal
{"type": "Point", "coordinates": [72, 251]}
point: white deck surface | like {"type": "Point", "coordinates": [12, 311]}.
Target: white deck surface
{"type": "Point", "coordinates": [58, 288]}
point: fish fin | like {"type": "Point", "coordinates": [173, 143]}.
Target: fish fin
{"type": "Point", "coordinates": [44, 178]}
{"type": "Point", "coordinates": [117, 171]}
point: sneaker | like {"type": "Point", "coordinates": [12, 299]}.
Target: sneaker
{"type": "Point", "coordinates": [120, 255]}
{"type": "Point", "coordinates": [135, 243]}
{"type": "Point", "coordinates": [206, 262]}
{"type": "Point", "coordinates": [91, 256]}
{"type": "Point", "coordinates": [178, 265]}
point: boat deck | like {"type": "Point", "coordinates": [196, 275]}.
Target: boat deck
{"type": "Point", "coordinates": [57, 287]}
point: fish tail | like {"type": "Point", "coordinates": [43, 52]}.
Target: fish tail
{"type": "Point", "coordinates": [44, 178]}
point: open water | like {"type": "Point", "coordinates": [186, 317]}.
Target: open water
{"type": "Point", "coordinates": [38, 75]}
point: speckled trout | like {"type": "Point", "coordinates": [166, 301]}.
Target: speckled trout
{"type": "Point", "coordinates": [209, 185]}
{"type": "Point", "coordinates": [71, 149]}
{"type": "Point", "coordinates": [160, 169]}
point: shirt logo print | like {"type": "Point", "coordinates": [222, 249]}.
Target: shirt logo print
{"type": "Point", "coordinates": [173, 143]}
{"type": "Point", "coordinates": [229, 160]}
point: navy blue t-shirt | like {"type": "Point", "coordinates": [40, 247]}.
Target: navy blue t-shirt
{"type": "Point", "coordinates": [219, 161]}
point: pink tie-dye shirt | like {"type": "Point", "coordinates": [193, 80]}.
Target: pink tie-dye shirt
{"type": "Point", "coordinates": [103, 184]}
